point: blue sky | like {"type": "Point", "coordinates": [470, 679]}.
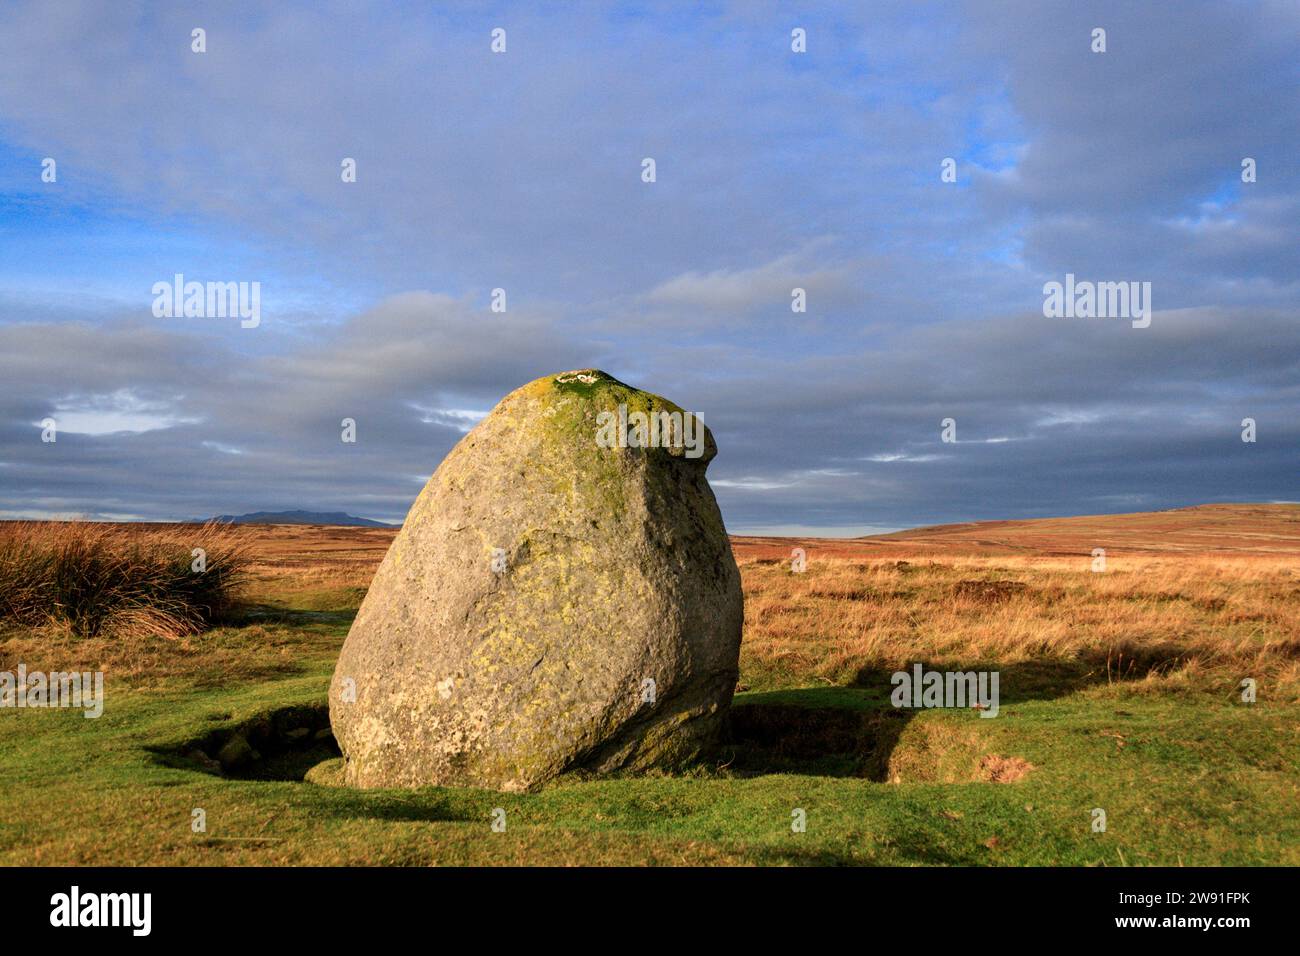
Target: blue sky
{"type": "Point", "coordinates": [775, 170]}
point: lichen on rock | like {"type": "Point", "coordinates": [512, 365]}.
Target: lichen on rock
{"type": "Point", "coordinates": [552, 604]}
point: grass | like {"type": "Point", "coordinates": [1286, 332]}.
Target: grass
{"type": "Point", "coordinates": [91, 580]}
{"type": "Point", "coordinates": [1119, 692]}
{"type": "Point", "coordinates": [1199, 620]}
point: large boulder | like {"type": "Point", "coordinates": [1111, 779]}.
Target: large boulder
{"type": "Point", "coordinates": [562, 597]}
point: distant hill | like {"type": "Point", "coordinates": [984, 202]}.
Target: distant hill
{"type": "Point", "coordinates": [301, 517]}
{"type": "Point", "coordinates": [1257, 528]}
{"type": "Point", "coordinates": [1262, 529]}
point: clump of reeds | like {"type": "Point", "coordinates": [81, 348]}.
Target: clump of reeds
{"type": "Point", "coordinates": [91, 579]}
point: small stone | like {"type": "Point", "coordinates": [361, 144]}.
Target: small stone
{"type": "Point", "coordinates": [235, 752]}
{"type": "Point", "coordinates": [328, 773]}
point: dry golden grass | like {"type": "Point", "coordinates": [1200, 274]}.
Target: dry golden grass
{"type": "Point", "coordinates": [310, 556]}
{"type": "Point", "coordinates": [1200, 597]}
{"type": "Point", "coordinates": [148, 638]}
{"type": "Point", "coordinates": [91, 580]}
{"type": "Point", "coordinates": [842, 619]}
{"type": "Point", "coordinates": [1204, 595]}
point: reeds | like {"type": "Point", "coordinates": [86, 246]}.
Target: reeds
{"type": "Point", "coordinates": [92, 580]}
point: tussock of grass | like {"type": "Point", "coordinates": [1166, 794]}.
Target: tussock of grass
{"type": "Point", "coordinates": [92, 580]}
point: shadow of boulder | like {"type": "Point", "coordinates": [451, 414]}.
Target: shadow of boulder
{"type": "Point", "coordinates": [829, 731]}
{"type": "Point", "coordinates": [281, 744]}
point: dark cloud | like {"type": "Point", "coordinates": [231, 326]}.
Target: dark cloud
{"type": "Point", "coordinates": [1053, 416]}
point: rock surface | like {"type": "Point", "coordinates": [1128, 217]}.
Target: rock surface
{"type": "Point", "coordinates": [553, 603]}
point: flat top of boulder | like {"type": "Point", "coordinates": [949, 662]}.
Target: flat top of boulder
{"type": "Point", "coordinates": [598, 390]}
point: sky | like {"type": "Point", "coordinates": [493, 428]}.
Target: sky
{"type": "Point", "coordinates": [774, 170]}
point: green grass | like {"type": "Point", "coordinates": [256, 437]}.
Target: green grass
{"type": "Point", "coordinates": [1199, 779]}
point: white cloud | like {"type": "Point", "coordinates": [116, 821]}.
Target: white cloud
{"type": "Point", "coordinates": [120, 411]}
{"type": "Point", "coordinates": [902, 456]}
{"type": "Point", "coordinates": [769, 285]}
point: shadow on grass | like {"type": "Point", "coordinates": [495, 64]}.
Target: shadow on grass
{"type": "Point", "coordinates": [1050, 679]}
{"type": "Point", "coordinates": [262, 613]}
{"type": "Point", "coordinates": [279, 744]}
{"type": "Point", "coordinates": [853, 731]}
{"type": "Point", "coordinates": [367, 805]}
{"type": "Point", "coordinates": [919, 851]}
{"type": "Point", "coordinates": [819, 731]}
{"type": "Point", "coordinates": [823, 731]}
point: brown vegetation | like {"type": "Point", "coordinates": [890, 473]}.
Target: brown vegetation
{"type": "Point", "coordinates": [93, 580]}
{"type": "Point", "coordinates": [1203, 595]}
{"type": "Point", "coordinates": [1207, 594]}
